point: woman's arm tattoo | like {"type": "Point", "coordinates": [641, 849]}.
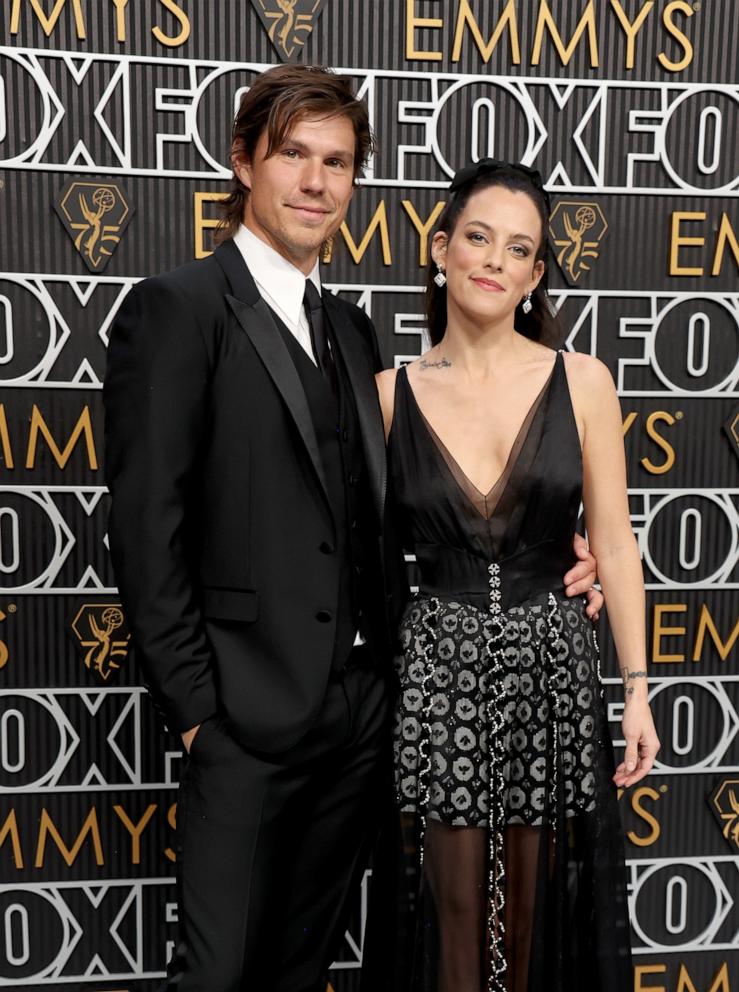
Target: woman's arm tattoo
{"type": "Point", "coordinates": [626, 675]}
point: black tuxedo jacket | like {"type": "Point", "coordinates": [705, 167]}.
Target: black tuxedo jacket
{"type": "Point", "coordinates": [221, 532]}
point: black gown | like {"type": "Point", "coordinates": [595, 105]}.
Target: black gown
{"type": "Point", "coordinates": [500, 696]}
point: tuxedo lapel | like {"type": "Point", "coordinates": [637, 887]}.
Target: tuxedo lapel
{"type": "Point", "coordinates": [256, 320]}
{"type": "Point", "coordinates": [363, 386]}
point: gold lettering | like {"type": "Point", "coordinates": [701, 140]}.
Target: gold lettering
{"type": "Point", "coordinates": [725, 236]}
{"type": "Point", "coordinates": [631, 29]}
{"type": "Point", "coordinates": [48, 828]}
{"type": "Point", "coordinates": [677, 240]}
{"type": "Point", "coordinates": [48, 23]}
{"type": "Point", "coordinates": [644, 814]}
{"type": "Point", "coordinates": [172, 821]}
{"type": "Point", "coordinates": [640, 970]}
{"type": "Point", "coordinates": [545, 20]}
{"type": "Point", "coordinates": [120, 19]}
{"type": "Point", "coordinates": [4, 654]}
{"type": "Point", "coordinates": [184, 20]}
{"type": "Point", "coordinates": [465, 17]}
{"type": "Point", "coordinates": [628, 423]}
{"type": "Point", "coordinates": [652, 420]}
{"type": "Point", "coordinates": [412, 23]}
{"type": "Point", "coordinates": [706, 625]}
{"type": "Point", "coordinates": [135, 829]}
{"type": "Point", "coordinates": [684, 981]}
{"type": "Point", "coordinates": [203, 223]}
{"type": "Point", "coordinates": [423, 227]}
{"type": "Point", "coordinates": [720, 981]}
{"type": "Point", "coordinates": [379, 220]}
{"type": "Point", "coordinates": [7, 451]}
{"type": "Point", "coordinates": [10, 829]}
{"type": "Point", "coordinates": [39, 426]}
{"type": "Point", "coordinates": [659, 631]}
{"type": "Point", "coordinates": [672, 28]}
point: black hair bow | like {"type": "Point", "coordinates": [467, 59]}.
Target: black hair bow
{"type": "Point", "coordinates": [472, 172]}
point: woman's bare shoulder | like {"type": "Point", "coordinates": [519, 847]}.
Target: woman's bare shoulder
{"type": "Point", "coordinates": [386, 382]}
{"type": "Point", "coordinates": [386, 391]}
{"type": "Point", "coordinates": [587, 372]}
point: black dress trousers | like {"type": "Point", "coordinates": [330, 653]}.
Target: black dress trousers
{"type": "Point", "coordinates": [271, 847]}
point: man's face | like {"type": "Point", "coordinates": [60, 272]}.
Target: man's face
{"type": "Point", "coordinates": [300, 194]}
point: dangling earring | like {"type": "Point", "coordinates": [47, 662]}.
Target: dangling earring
{"type": "Point", "coordinates": [440, 278]}
{"type": "Point", "coordinates": [527, 306]}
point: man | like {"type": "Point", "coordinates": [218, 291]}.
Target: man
{"type": "Point", "coordinates": [250, 537]}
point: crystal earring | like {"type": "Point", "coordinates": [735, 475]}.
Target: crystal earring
{"type": "Point", "coordinates": [527, 306]}
{"type": "Point", "coordinates": [440, 278]}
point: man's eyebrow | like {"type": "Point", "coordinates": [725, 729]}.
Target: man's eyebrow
{"type": "Point", "coordinates": [516, 237]}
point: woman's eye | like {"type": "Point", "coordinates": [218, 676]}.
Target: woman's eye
{"type": "Point", "coordinates": [520, 251]}
{"type": "Point", "coordinates": [476, 237]}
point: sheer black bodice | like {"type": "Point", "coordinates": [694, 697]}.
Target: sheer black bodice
{"type": "Point", "coordinates": [527, 520]}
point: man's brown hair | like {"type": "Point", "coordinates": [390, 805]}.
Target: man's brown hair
{"type": "Point", "coordinates": [277, 100]}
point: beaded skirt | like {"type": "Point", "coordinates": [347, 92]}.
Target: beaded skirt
{"type": "Point", "coordinates": [501, 722]}
{"type": "Point", "coordinates": [472, 705]}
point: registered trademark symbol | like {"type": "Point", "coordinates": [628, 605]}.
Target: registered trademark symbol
{"type": "Point", "coordinates": [697, 6]}
{"type": "Point", "coordinates": [663, 789]}
{"type": "Point", "coordinates": [12, 608]}
{"type": "Point", "coordinates": [678, 415]}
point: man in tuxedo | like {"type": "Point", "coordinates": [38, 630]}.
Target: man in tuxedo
{"type": "Point", "coordinates": [251, 541]}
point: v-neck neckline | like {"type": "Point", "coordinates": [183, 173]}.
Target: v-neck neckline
{"type": "Point", "coordinates": [443, 451]}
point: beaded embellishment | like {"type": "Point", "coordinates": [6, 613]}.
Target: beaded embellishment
{"type": "Point", "coordinates": [494, 699]}
{"type": "Point", "coordinates": [494, 711]}
{"type": "Point", "coordinates": [430, 621]}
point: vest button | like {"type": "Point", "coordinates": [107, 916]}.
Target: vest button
{"type": "Point", "coordinates": [323, 616]}
{"type": "Point", "coordinates": [326, 548]}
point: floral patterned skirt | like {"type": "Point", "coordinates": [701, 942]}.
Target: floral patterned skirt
{"type": "Point", "coordinates": [547, 661]}
{"type": "Point", "coordinates": [501, 727]}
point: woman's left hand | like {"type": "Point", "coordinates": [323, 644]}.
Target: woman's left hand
{"type": "Point", "coordinates": [642, 743]}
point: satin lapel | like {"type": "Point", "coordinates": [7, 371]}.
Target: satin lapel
{"type": "Point", "coordinates": [256, 320]}
{"type": "Point", "coordinates": [362, 381]}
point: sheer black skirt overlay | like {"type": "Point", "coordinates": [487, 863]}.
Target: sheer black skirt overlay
{"type": "Point", "coordinates": [514, 873]}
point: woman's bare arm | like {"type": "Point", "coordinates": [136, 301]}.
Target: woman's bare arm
{"type": "Point", "coordinates": [386, 391]}
{"type": "Point", "coordinates": [614, 546]}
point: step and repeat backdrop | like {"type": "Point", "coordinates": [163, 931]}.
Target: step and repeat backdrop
{"type": "Point", "coordinates": [114, 132]}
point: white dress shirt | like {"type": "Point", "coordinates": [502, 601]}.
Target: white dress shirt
{"type": "Point", "coordinates": [280, 284]}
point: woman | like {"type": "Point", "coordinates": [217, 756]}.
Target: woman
{"type": "Point", "coordinates": [503, 758]}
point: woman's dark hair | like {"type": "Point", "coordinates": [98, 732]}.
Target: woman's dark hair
{"type": "Point", "coordinates": [276, 101]}
{"type": "Point", "coordinates": [542, 323]}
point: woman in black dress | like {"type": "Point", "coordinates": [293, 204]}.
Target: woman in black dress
{"type": "Point", "coordinates": [503, 759]}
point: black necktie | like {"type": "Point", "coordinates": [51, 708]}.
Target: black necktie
{"type": "Point", "coordinates": [318, 336]}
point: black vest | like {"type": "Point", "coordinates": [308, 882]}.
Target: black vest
{"type": "Point", "coordinates": [336, 425]}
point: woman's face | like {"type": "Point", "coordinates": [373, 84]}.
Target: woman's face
{"type": "Point", "coordinates": [490, 258]}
